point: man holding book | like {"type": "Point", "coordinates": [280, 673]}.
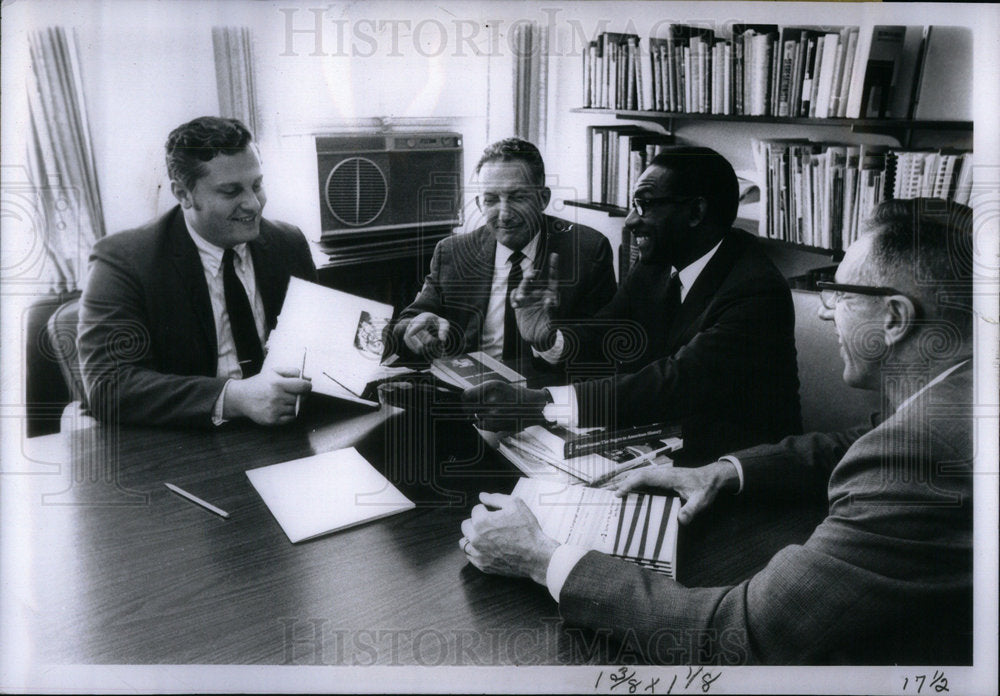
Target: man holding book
{"type": "Point", "coordinates": [886, 578]}
{"type": "Point", "coordinates": [174, 315]}
{"type": "Point", "coordinates": [464, 306]}
{"type": "Point", "coordinates": [700, 333]}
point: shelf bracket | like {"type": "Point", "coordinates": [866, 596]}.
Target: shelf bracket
{"type": "Point", "coordinates": [665, 122]}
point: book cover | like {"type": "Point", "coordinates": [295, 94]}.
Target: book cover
{"type": "Point", "coordinates": [639, 528]}
{"type": "Point", "coordinates": [339, 334]}
{"type": "Point", "coordinates": [945, 90]}
{"type": "Point", "coordinates": [471, 369]}
{"type": "Point", "coordinates": [326, 493]}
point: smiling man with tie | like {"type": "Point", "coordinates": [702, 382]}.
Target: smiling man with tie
{"type": "Point", "coordinates": [464, 304]}
{"type": "Point", "coordinates": [700, 333]}
{"type": "Point", "coordinates": [175, 314]}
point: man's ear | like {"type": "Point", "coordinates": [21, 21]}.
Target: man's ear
{"type": "Point", "coordinates": [900, 319]}
{"type": "Point", "coordinates": [544, 196]}
{"type": "Point", "coordinates": [181, 193]}
{"type": "Point", "coordinates": [699, 209]}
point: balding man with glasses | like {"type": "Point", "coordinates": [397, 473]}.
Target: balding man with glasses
{"type": "Point", "coordinates": [700, 333]}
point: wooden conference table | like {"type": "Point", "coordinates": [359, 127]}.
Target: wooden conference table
{"type": "Point", "coordinates": [125, 572]}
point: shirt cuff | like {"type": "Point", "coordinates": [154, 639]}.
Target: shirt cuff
{"type": "Point", "coordinates": [220, 404]}
{"type": "Point", "coordinates": [563, 560]}
{"type": "Point", "coordinates": [739, 469]}
{"type": "Point", "coordinates": [553, 354]}
{"type": "Point", "coordinates": [563, 409]}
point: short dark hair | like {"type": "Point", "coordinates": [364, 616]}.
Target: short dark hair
{"type": "Point", "coordinates": [191, 145]}
{"type": "Point", "coordinates": [925, 244]}
{"type": "Point", "coordinates": [702, 171]}
{"type": "Point", "coordinates": [516, 150]}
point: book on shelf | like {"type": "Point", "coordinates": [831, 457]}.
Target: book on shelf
{"type": "Point", "coordinates": [944, 80]}
{"type": "Point", "coordinates": [546, 443]}
{"type": "Point", "coordinates": [472, 369]}
{"type": "Point", "coordinates": [637, 527]}
{"type": "Point", "coordinates": [818, 194]}
{"type": "Point", "coordinates": [616, 157]}
{"type": "Point", "coordinates": [871, 71]}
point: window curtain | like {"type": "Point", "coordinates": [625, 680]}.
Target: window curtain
{"type": "Point", "coordinates": [531, 56]}
{"type": "Point", "coordinates": [61, 157]}
{"type": "Point", "coordinates": [234, 75]}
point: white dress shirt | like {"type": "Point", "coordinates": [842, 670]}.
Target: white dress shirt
{"type": "Point", "coordinates": [211, 263]}
{"type": "Point", "coordinates": [492, 339]}
{"type": "Point", "coordinates": [563, 409]}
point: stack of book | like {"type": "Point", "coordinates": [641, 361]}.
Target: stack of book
{"type": "Point", "coordinates": [618, 155]}
{"type": "Point", "coordinates": [764, 70]}
{"type": "Point", "coordinates": [819, 194]}
{"type": "Point", "coordinates": [638, 528]}
{"type": "Point", "coordinates": [590, 456]}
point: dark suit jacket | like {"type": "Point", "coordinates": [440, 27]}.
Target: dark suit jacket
{"type": "Point", "coordinates": [724, 366]}
{"type": "Point", "coordinates": [147, 338]}
{"type": "Point", "coordinates": [886, 578]}
{"type": "Point", "coordinates": [461, 273]}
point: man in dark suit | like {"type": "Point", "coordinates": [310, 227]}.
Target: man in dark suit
{"type": "Point", "coordinates": [701, 332]}
{"type": "Point", "coordinates": [174, 315]}
{"type": "Point", "coordinates": [886, 578]}
{"type": "Point", "coordinates": [463, 305]}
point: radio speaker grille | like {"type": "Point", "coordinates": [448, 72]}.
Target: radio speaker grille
{"type": "Point", "coordinates": [356, 191]}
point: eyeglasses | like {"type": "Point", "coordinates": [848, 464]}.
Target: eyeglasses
{"type": "Point", "coordinates": [518, 197]}
{"type": "Point", "coordinates": [831, 293]}
{"type": "Point", "coordinates": [642, 205]}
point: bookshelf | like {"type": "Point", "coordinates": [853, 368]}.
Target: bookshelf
{"type": "Point", "coordinates": [824, 137]}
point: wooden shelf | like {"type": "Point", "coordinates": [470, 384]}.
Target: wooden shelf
{"type": "Point", "coordinates": [611, 210]}
{"type": "Point", "coordinates": [893, 123]}
{"type": "Point", "coordinates": [901, 129]}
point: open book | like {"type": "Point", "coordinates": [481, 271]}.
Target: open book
{"type": "Point", "coordinates": [334, 337]}
{"type": "Point", "coordinates": [639, 528]}
{"type": "Point", "coordinates": [472, 369]}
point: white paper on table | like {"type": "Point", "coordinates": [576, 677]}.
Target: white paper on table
{"type": "Point", "coordinates": [325, 493]}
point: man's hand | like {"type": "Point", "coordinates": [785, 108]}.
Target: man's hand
{"type": "Point", "coordinates": [426, 335]}
{"type": "Point", "coordinates": [698, 487]}
{"type": "Point", "coordinates": [502, 536]}
{"type": "Point", "coordinates": [534, 302]}
{"type": "Point", "coordinates": [267, 398]}
{"type": "Point", "coordinates": [501, 406]}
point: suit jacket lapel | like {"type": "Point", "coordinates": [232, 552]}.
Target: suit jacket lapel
{"type": "Point", "coordinates": [187, 264]}
{"type": "Point", "coordinates": [701, 294]}
{"type": "Point", "coordinates": [483, 248]}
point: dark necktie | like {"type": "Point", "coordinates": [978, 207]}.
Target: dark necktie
{"type": "Point", "coordinates": [673, 298]}
{"type": "Point", "coordinates": [248, 348]}
{"type": "Point", "coordinates": [511, 336]}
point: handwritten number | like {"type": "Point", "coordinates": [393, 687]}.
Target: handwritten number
{"type": "Point", "coordinates": [601, 674]}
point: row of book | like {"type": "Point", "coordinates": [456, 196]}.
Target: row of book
{"type": "Point", "coordinates": [879, 71]}
{"type": "Point", "coordinates": [819, 194]}
{"type": "Point", "coordinates": [617, 156]}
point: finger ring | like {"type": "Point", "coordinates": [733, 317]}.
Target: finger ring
{"type": "Point", "coordinates": [465, 546]}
